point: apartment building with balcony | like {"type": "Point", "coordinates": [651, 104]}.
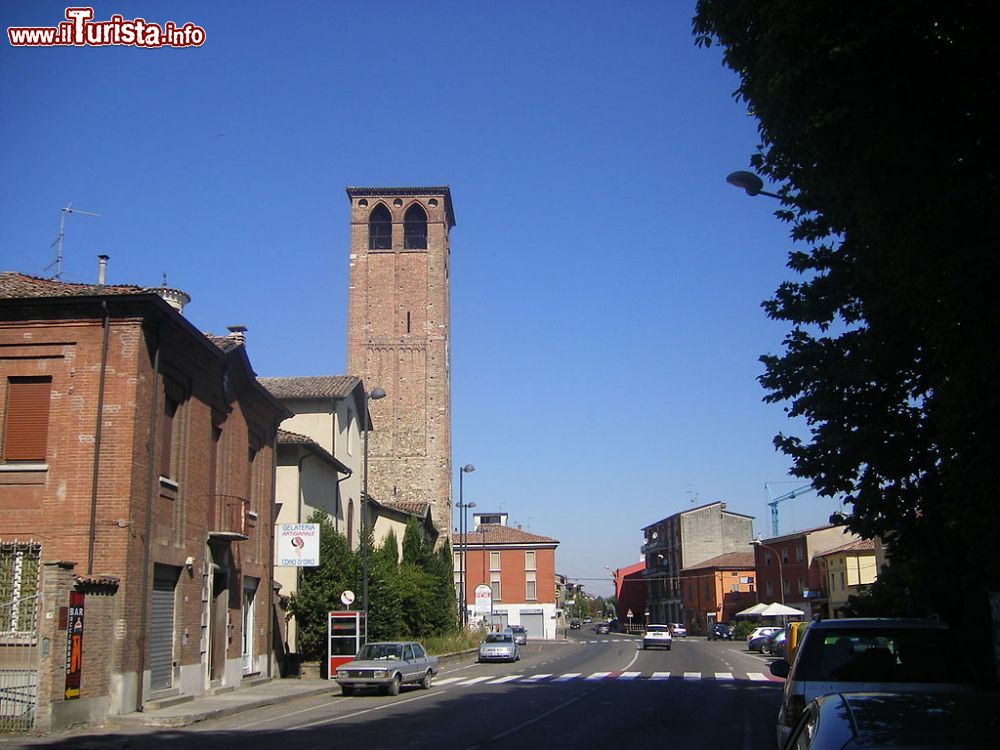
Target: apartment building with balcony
{"type": "Point", "coordinates": [684, 540]}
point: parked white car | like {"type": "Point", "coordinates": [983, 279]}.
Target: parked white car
{"type": "Point", "coordinates": [678, 630]}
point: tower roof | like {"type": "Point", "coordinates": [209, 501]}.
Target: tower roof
{"type": "Point", "coordinates": [389, 192]}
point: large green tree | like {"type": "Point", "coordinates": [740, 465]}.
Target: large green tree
{"type": "Point", "coordinates": [878, 121]}
{"type": "Point", "coordinates": [319, 589]}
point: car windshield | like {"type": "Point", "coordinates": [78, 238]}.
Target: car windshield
{"type": "Point", "coordinates": [499, 638]}
{"type": "Point", "coordinates": [658, 629]}
{"type": "Point", "coordinates": [380, 652]}
{"type": "Point", "coordinates": [891, 655]}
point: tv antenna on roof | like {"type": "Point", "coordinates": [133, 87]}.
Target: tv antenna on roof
{"type": "Point", "coordinates": [63, 213]}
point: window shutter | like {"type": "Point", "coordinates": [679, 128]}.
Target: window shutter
{"type": "Point", "coordinates": [26, 427]}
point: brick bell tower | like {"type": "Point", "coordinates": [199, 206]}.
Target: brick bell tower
{"type": "Point", "coordinates": [398, 332]}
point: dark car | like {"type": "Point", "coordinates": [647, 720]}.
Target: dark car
{"type": "Point", "coordinates": [776, 644]}
{"type": "Point", "coordinates": [884, 721]}
{"type": "Point", "coordinates": [863, 655]}
{"type": "Point", "coordinates": [574, 624]}
{"type": "Point", "coordinates": [602, 628]}
{"type": "Point", "coordinates": [720, 631]}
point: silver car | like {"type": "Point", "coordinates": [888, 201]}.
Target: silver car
{"type": "Point", "coordinates": [499, 647]}
{"type": "Point", "coordinates": [387, 666]}
{"type": "Point", "coordinates": [519, 633]}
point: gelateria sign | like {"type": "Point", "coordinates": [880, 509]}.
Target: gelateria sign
{"type": "Point", "coordinates": [297, 545]}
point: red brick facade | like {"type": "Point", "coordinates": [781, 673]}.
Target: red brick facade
{"type": "Point", "coordinates": [176, 478]}
{"type": "Point", "coordinates": [398, 335]}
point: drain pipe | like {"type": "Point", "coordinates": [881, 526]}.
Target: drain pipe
{"type": "Point", "coordinates": [97, 428]}
{"type": "Point", "coordinates": [148, 528]}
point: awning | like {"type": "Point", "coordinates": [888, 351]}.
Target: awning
{"type": "Point", "coordinates": [751, 611]}
{"type": "Point", "coordinates": [780, 610]}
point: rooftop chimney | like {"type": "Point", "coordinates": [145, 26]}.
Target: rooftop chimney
{"type": "Point", "coordinates": [102, 270]}
{"type": "Point", "coordinates": [173, 297]}
{"type": "Point", "coordinates": [237, 333]}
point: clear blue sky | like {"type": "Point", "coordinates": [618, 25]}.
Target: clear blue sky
{"type": "Point", "coordinates": [606, 281]}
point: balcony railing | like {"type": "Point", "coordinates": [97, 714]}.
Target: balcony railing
{"type": "Point", "coordinates": [231, 519]}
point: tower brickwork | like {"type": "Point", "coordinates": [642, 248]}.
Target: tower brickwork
{"type": "Point", "coordinates": [398, 333]}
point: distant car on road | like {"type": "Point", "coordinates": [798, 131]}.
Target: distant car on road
{"type": "Point", "coordinates": [519, 633]}
{"type": "Point", "coordinates": [499, 647]}
{"type": "Point", "coordinates": [657, 636]}
{"type": "Point", "coordinates": [893, 721]}
{"type": "Point", "coordinates": [602, 628]}
{"type": "Point", "coordinates": [388, 666]}
{"type": "Point", "coordinates": [574, 624]}
{"type": "Point", "coordinates": [862, 655]}
{"type": "Point", "coordinates": [678, 630]}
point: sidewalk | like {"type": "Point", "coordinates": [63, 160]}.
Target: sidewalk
{"type": "Point", "coordinates": [225, 704]}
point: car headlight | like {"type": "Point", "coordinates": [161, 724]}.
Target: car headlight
{"type": "Point", "coordinates": [378, 674]}
{"type": "Point", "coordinates": [342, 673]}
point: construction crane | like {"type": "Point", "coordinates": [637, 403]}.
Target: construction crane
{"type": "Point", "coordinates": [777, 500]}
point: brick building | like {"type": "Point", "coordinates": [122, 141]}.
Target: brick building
{"type": "Point", "coordinates": [785, 567]}
{"type": "Point", "coordinates": [716, 589]}
{"type": "Point", "coordinates": [398, 335]}
{"type": "Point", "coordinates": [136, 483]}
{"type": "Point", "coordinates": [684, 540]}
{"type": "Point", "coordinates": [520, 569]}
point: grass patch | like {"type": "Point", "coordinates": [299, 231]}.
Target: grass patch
{"type": "Point", "coordinates": [453, 642]}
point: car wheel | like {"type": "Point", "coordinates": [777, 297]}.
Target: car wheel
{"type": "Point", "coordinates": [426, 682]}
{"type": "Point", "coordinates": [393, 688]}
{"type": "Point", "coordinates": [347, 690]}
{"type": "Point", "coordinates": [765, 650]}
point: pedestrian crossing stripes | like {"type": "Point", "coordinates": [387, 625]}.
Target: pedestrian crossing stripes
{"type": "Point", "coordinates": [530, 679]}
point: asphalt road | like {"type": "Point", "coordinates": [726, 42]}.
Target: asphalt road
{"type": "Point", "coordinates": [592, 691]}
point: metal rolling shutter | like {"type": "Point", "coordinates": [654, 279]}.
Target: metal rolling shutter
{"type": "Point", "coordinates": [534, 623]}
{"type": "Point", "coordinates": [27, 422]}
{"type": "Point", "coordinates": [161, 643]}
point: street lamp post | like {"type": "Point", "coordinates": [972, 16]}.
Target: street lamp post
{"type": "Point", "coordinates": [781, 576]}
{"type": "Point", "coordinates": [375, 393]}
{"type": "Point", "coordinates": [749, 182]}
{"type": "Point", "coordinates": [462, 506]}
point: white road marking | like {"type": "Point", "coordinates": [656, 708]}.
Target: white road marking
{"type": "Point", "coordinates": [508, 678]}
{"type": "Point", "coordinates": [629, 675]}
{"type": "Point", "coordinates": [567, 677]}
{"type": "Point", "coordinates": [692, 675]}
{"type": "Point", "coordinates": [536, 677]}
{"type": "Point", "coordinates": [447, 680]}
{"type": "Point", "coordinates": [723, 675]}
{"type": "Point", "coordinates": [757, 677]}
{"type": "Point", "coordinates": [475, 680]}
{"type": "Point", "coordinates": [598, 675]}
{"type": "Point", "coordinates": [660, 676]}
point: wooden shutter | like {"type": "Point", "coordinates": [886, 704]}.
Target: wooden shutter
{"type": "Point", "coordinates": [26, 427]}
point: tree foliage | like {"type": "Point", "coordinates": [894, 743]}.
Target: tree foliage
{"type": "Point", "coordinates": [877, 119]}
{"type": "Point", "coordinates": [319, 588]}
{"type": "Point", "coordinates": [384, 607]}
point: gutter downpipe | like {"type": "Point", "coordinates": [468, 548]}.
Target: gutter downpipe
{"type": "Point", "coordinates": [270, 549]}
{"type": "Point", "coordinates": [97, 439]}
{"type": "Point", "coordinates": [150, 473]}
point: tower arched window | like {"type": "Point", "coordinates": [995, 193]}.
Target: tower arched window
{"type": "Point", "coordinates": [380, 229]}
{"type": "Point", "coordinates": [415, 228]}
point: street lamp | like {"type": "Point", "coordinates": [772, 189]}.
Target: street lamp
{"type": "Point", "coordinates": [749, 182]}
{"type": "Point", "coordinates": [462, 505]}
{"type": "Point", "coordinates": [376, 393]}
{"type": "Point", "coordinates": [781, 577]}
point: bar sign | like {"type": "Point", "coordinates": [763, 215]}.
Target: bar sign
{"type": "Point", "coordinates": [74, 645]}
